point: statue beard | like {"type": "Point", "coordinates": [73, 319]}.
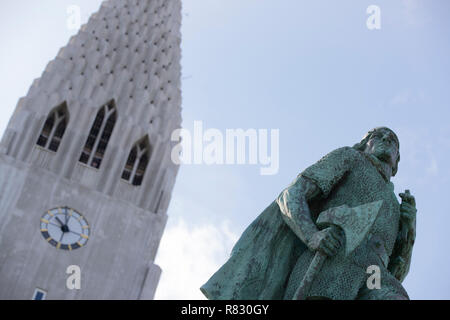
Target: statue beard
{"type": "Point", "coordinates": [383, 155]}
{"type": "Point", "coordinates": [384, 159]}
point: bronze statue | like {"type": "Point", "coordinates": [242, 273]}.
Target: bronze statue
{"type": "Point", "coordinates": [318, 239]}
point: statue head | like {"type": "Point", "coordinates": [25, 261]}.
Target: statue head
{"type": "Point", "coordinates": [382, 143]}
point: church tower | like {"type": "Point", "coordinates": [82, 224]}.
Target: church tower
{"type": "Point", "coordinates": [85, 163]}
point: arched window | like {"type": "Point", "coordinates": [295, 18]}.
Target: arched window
{"type": "Point", "coordinates": [54, 128]}
{"type": "Point", "coordinates": [137, 162]}
{"type": "Point", "coordinates": [98, 138]}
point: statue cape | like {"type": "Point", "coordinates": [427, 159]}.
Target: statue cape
{"type": "Point", "coordinates": [260, 262]}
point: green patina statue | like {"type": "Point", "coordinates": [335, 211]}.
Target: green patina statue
{"type": "Point", "coordinates": [319, 238]}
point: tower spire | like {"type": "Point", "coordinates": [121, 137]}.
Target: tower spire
{"type": "Point", "coordinates": [92, 137]}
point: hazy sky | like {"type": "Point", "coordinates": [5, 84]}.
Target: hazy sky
{"type": "Point", "coordinates": [311, 69]}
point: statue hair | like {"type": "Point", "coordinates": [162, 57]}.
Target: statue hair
{"type": "Point", "coordinates": [361, 146]}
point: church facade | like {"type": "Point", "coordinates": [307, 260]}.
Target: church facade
{"type": "Point", "coordinates": [85, 163]}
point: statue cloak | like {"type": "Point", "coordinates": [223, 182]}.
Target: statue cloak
{"type": "Point", "coordinates": [260, 262]}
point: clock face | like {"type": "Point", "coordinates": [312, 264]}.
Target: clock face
{"type": "Point", "coordinates": [65, 228]}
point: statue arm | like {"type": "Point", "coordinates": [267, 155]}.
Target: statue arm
{"type": "Point", "coordinates": [400, 259]}
{"type": "Point", "coordinates": [317, 180]}
{"type": "Point", "coordinates": [293, 203]}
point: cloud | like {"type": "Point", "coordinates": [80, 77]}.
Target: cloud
{"type": "Point", "coordinates": [401, 97]}
{"type": "Point", "coordinates": [423, 151]}
{"type": "Point", "coordinates": [407, 96]}
{"type": "Point", "coordinates": [189, 256]}
{"type": "Point", "coordinates": [410, 5]}
{"type": "Point", "coordinates": [433, 169]}
{"type": "Point", "coordinates": [413, 12]}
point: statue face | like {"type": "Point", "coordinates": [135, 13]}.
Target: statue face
{"type": "Point", "coordinates": [383, 145]}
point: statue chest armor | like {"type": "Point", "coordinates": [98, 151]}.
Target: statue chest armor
{"type": "Point", "coordinates": [361, 185]}
{"type": "Point", "coordinates": [342, 276]}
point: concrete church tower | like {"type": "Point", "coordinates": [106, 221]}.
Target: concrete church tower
{"type": "Point", "coordinates": [85, 169]}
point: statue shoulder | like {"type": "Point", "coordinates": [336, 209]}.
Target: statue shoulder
{"type": "Point", "coordinates": [342, 155]}
{"type": "Point", "coordinates": [329, 170]}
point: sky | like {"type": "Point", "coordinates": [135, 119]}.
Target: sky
{"type": "Point", "coordinates": [311, 70]}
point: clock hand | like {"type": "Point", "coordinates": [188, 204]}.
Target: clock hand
{"type": "Point", "coordinates": [60, 222]}
{"type": "Point", "coordinates": [65, 213]}
{"type": "Point", "coordinates": [54, 224]}
{"type": "Point", "coordinates": [64, 227]}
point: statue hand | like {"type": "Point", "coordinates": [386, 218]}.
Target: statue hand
{"type": "Point", "coordinates": [396, 267]}
{"type": "Point", "coordinates": [408, 207]}
{"type": "Point", "coordinates": [327, 241]}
